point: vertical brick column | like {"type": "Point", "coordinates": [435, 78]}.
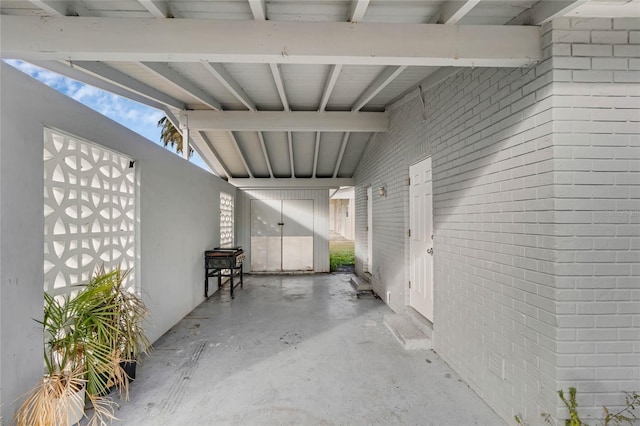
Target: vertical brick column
{"type": "Point", "coordinates": [596, 113]}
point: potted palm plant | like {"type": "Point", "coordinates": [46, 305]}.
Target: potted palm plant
{"type": "Point", "coordinates": [89, 336]}
{"type": "Point", "coordinates": [126, 336]}
{"type": "Point", "coordinates": [71, 356]}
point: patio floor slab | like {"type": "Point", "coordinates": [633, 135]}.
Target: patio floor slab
{"type": "Point", "coordinates": [301, 350]}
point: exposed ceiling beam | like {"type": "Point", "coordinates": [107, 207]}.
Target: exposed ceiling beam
{"type": "Point", "coordinates": [239, 151]}
{"type": "Point", "coordinates": [296, 121]}
{"type": "Point", "coordinates": [613, 9]}
{"type": "Point", "coordinates": [277, 77]}
{"type": "Point", "coordinates": [453, 11]}
{"type": "Point", "coordinates": [258, 9]}
{"type": "Point", "coordinates": [438, 76]}
{"type": "Point", "coordinates": [171, 117]}
{"type": "Point", "coordinates": [179, 81]}
{"type": "Point", "coordinates": [209, 156]}
{"type": "Point", "coordinates": [52, 8]}
{"type": "Point", "coordinates": [264, 152]}
{"type": "Point", "coordinates": [61, 8]}
{"type": "Point", "coordinates": [429, 81]}
{"type": "Point", "coordinates": [68, 70]}
{"type": "Point", "coordinates": [315, 156]}
{"type": "Point", "coordinates": [544, 11]}
{"type": "Point", "coordinates": [385, 77]}
{"type": "Point", "coordinates": [366, 145]}
{"type": "Point", "coordinates": [78, 8]}
{"type": "Point", "coordinates": [173, 77]}
{"type": "Point", "coordinates": [107, 73]}
{"type": "Point", "coordinates": [193, 40]}
{"type": "Point", "coordinates": [343, 147]}
{"type": "Point", "coordinates": [216, 164]}
{"type": "Point", "coordinates": [204, 155]}
{"type": "Point", "coordinates": [357, 10]}
{"type": "Point", "coordinates": [293, 168]}
{"type": "Point", "coordinates": [159, 9]}
{"type": "Point", "coordinates": [328, 87]}
{"type": "Point", "coordinates": [293, 183]}
{"type": "Point", "coordinates": [176, 124]}
{"type": "Point", "coordinates": [223, 76]}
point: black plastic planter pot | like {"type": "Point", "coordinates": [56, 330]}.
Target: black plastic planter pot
{"type": "Point", "coordinates": [129, 367]}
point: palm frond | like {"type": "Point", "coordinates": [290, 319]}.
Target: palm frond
{"type": "Point", "coordinates": [171, 136]}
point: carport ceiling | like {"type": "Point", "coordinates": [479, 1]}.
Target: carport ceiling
{"type": "Point", "coordinates": [277, 93]}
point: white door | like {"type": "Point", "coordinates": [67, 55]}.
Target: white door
{"type": "Point", "coordinates": [281, 235]}
{"type": "Point", "coordinates": [297, 235]}
{"type": "Point", "coordinates": [421, 240]}
{"type": "Point", "coordinates": [266, 235]}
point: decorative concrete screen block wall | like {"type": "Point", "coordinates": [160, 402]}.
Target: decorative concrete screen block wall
{"type": "Point", "coordinates": [226, 220]}
{"type": "Point", "coordinates": [89, 208]}
{"type": "Point", "coordinates": [536, 175]}
{"type": "Point", "coordinates": [596, 113]}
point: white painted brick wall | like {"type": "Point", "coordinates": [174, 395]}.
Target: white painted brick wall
{"type": "Point", "coordinates": [596, 105]}
{"type": "Point", "coordinates": [536, 211]}
{"type": "Point", "coordinates": [493, 214]}
{"type": "Point", "coordinates": [489, 134]}
{"type": "Point", "coordinates": [385, 163]}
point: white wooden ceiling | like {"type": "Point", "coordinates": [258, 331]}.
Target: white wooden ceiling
{"type": "Point", "coordinates": [279, 92]}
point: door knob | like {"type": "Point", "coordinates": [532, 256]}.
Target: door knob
{"type": "Point", "coordinates": [430, 251]}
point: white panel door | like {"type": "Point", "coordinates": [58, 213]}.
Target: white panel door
{"type": "Point", "coordinates": [266, 235]}
{"type": "Point", "coordinates": [297, 235]}
{"type": "Point", "coordinates": [281, 235]}
{"type": "Point", "coordinates": [421, 240]}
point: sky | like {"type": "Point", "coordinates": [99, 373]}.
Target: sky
{"type": "Point", "coordinates": [140, 118]}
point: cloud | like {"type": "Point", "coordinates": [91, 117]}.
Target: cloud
{"type": "Point", "coordinates": [133, 115]}
{"type": "Point", "coordinates": [125, 111]}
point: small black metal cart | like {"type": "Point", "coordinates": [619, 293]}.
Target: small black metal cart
{"type": "Point", "coordinates": [223, 262]}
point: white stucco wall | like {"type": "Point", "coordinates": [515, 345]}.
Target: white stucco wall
{"type": "Point", "coordinates": [22, 232]}
{"type": "Point", "coordinates": [531, 272]}
{"type": "Point", "coordinates": [179, 209]}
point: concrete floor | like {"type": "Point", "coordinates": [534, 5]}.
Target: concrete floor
{"type": "Point", "coordinates": [300, 350]}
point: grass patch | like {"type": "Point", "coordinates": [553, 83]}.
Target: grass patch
{"type": "Point", "coordinates": [341, 253]}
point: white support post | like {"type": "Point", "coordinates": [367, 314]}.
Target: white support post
{"type": "Point", "coordinates": [184, 127]}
